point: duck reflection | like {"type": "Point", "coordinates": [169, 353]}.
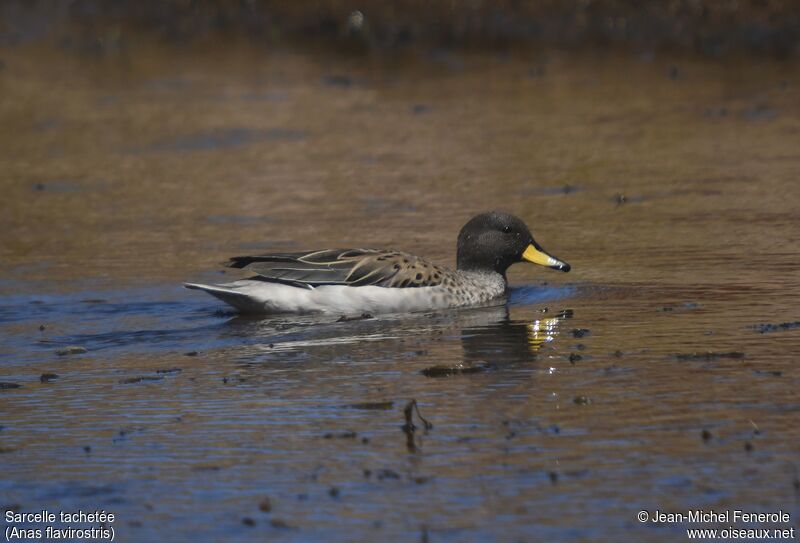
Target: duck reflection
{"type": "Point", "coordinates": [499, 339]}
{"type": "Point", "coordinates": [488, 335]}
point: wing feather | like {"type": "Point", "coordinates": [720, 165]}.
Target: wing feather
{"type": "Point", "coordinates": [352, 267]}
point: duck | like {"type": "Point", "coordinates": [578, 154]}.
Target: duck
{"type": "Point", "coordinates": [351, 282]}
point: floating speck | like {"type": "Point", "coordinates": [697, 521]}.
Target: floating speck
{"type": "Point", "coordinates": [72, 349]}
{"type": "Point", "coordinates": [457, 369]}
{"type": "Point", "coordinates": [140, 379]}
{"type": "Point", "coordinates": [381, 406]}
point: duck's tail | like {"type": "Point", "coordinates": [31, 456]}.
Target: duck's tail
{"type": "Point", "coordinates": [237, 297]}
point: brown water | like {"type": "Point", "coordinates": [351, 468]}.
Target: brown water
{"type": "Point", "coordinates": [669, 184]}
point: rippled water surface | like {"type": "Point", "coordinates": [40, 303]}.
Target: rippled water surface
{"type": "Point", "coordinates": [644, 379]}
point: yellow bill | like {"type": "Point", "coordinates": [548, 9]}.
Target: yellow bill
{"type": "Point", "coordinates": [536, 254]}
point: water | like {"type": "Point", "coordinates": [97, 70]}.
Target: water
{"type": "Point", "coordinates": [669, 185]}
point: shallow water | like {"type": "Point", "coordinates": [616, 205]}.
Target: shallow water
{"type": "Point", "coordinates": [669, 185]}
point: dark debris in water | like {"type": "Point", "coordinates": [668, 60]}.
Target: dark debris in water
{"type": "Point", "coordinates": [553, 190]}
{"type": "Point", "coordinates": [58, 186]}
{"type": "Point", "coordinates": [582, 400]}
{"type": "Point", "coordinates": [621, 199]}
{"type": "Point", "coordinates": [170, 370]}
{"type": "Point", "coordinates": [383, 474]}
{"type": "Point", "coordinates": [140, 379]}
{"type": "Point", "coordinates": [688, 306]}
{"type": "Point", "coordinates": [774, 373]}
{"type": "Point", "coordinates": [710, 355]}
{"type": "Point", "coordinates": [409, 428]}
{"type": "Point", "coordinates": [129, 430]}
{"type": "Point", "coordinates": [766, 328]}
{"type": "Point", "coordinates": [457, 369]}
{"type": "Point", "coordinates": [580, 332]}
{"type": "Point", "coordinates": [706, 435]}
{"type": "Point", "coordinates": [5, 385]}
{"type": "Point", "coordinates": [72, 349]}
{"type": "Point", "coordinates": [349, 434]}
{"type": "Point", "coordinates": [206, 467]}
{"type": "Point", "coordinates": [363, 316]}
{"type": "Point", "coordinates": [377, 406]}
{"type": "Point", "coordinates": [46, 377]}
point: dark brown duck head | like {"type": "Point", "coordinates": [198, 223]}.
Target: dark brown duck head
{"type": "Point", "coordinates": [493, 241]}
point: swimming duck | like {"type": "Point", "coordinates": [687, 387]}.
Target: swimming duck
{"type": "Point", "coordinates": [358, 281]}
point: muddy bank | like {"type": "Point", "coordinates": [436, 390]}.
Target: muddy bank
{"type": "Point", "coordinates": [706, 27]}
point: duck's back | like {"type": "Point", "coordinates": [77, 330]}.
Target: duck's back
{"type": "Point", "coordinates": [345, 267]}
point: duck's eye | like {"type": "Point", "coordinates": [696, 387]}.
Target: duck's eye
{"type": "Point", "coordinates": [506, 229]}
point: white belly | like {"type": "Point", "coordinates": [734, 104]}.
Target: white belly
{"type": "Point", "coordinates": [250, 296]}
{"type": "Point", "coordinates": [264, 297]}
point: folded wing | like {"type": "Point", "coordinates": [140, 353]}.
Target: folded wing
{"type": "Point", "coordinates": [349, 267]}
